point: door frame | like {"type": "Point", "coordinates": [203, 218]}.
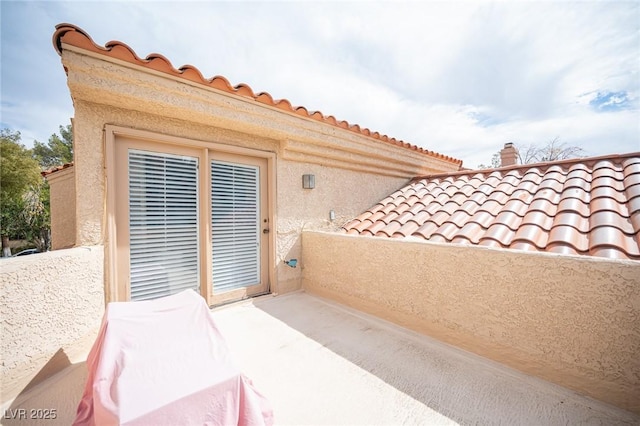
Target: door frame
{"type": "Point", "coordinates": [114, 134]}
{"type": "Point", "coordinates": [263, 223]}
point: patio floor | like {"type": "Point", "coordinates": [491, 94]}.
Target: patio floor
{"type": "Point", "coordinates": [319, 362]}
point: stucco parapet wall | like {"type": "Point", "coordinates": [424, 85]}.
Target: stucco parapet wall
{"type": "Point", "coordinates": [571, 320]}
{"type": "Point", "coordinates": [101, 79]}
{"type": "Point", "coordinates": [49, 302]}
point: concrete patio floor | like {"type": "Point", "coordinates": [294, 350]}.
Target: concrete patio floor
{"type": "Point", "coordinates": [320, 363]}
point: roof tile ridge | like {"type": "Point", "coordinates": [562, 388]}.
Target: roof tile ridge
{"type": "Point", "coordinates": [541, 165]}
{"type": "Point", "coordinates": [119, 50]}
{"type": "Point", "coordinates": [57, 168]}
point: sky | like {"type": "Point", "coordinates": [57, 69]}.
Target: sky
{"type": "Point", "coordinates": [459, 78]}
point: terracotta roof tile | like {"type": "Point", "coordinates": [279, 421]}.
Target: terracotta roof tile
{"type": "Point", "coordinates": [499, 232]}
{"type": "Point", "coordinates": [408, 228]}
{"type": "Point", "coordinates": [539, 219]}
{"type": "Point", "coordinates": [522, 245]}
{"type": "Point", "coordinates": [531, 235]}
{"type": "Point", "coordinates": [572, 220]}
{"type": "Point", "coordinates": [389, 230]}
{"type": "Point", "coordinates": [360, 227]}
{"type": "Point", "coordinates": [575, 205]}
{"type": "Point", "coordinates": [52, 170]}
{"type": "Point", "coordinates": [71, 35]}
{"type": "Point", "coordinates": [588, 206]}
{"type": "Point", "coordinates": [483, 218]}
{"type": "Point", "coordinates": [374, 228]}
{"type": "Point", "coordinates": [427, 229]}
{"type": "Point", "coordinates": [471, 232]}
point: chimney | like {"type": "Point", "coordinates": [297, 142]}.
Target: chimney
{"type": "Point", "coordinates": [508, 155]}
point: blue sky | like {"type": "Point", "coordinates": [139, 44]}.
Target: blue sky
{"type": "Point", "coordinates": [460, 78]}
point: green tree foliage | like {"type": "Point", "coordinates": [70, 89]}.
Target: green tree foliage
{"type": "Point", "coordinates": [19, 174]}
{"type": "Point", "coordinates": [36, 216]}
{"type": "Point", "coordinates": [18, 170]}
{"type": "Point", "coordinates": [59, 149]}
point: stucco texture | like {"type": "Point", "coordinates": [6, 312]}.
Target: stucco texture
{"type": "Point", "coordinates": [63, 208]}
{"type": "Point", "coordinates": [352, 171]}
{"type": "Point", "coordinates": [49, 304]}
{"type": "Point", "coordinates": [345, 192]}
{"type": "Point", "coordinates": [571, 320]}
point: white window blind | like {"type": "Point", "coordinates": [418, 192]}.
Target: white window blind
{"type": "Point", "coordinates": [163, 224]}
{"type": "Point", "coordinates": [235, 230]}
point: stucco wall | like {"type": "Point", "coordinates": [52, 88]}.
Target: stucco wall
{"type": "Point", "coordinates": [347, 192]}
{"type": "Point", "coordinates": [352, 171]}
{"type": "Point", "coordinates": [89, 123]}
{"type": "Point", "coordinates": [571, 320]}
{"type": "Point", "coordinates": [51, 305]}
{"type": "Point", "coordinates": [63, 208]}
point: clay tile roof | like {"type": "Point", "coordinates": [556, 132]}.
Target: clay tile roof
{"type": "Point", "coordinates": [587, 206]}
{"type": "Point", "coordinates": [71, 35]}
{"type": "Point", "coordinates": [56, 169]}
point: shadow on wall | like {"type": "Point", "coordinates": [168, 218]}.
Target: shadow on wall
{"type": "Point", "coordinates": [51, 397]}
{"type": "Point", "coordinates": [58, 362]}
{"type": "Point", "coordinates": [461, 386]}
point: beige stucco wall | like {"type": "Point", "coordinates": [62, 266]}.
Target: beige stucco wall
{"type": "Point", "coordinates": [571, 320]}
{"type": "Point", "coordinates": [346, 192]}
{"type": "Point", "coordinates": [51, 305]}
{"type": "Point", "coordinates": [63, 208]}
{"type": "Point", "coordinates": [352, 171]}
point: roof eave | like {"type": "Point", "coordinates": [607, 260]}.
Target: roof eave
{"type": "Point", "coordinates": [74, 36]}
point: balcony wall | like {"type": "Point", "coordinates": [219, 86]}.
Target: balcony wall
{"type": "Point", "coordinates": [62, 186]}
{"type": "Point", "coordinates": [51, 305]}
{"type": "Point", "coordinates": [574, 321]}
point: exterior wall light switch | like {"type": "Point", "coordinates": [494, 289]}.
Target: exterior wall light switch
{"type": "Point", "coordinates": [308, 181]}
{"type": "Point", "coordinates": [332, 215]}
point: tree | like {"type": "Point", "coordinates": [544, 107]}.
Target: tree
{"type": "Point", "coordinates": [19, 172]}
{"type": "Point", "coordinates": [554, 150]}
{"type": "Point", "coordinates": [57, 151]}
{"type": "Point", "coordinates": [528, 154]}
{"type": "Point", "coordinates": [495, 162]}
{"type": "Point", "coordinates": [36, 216]}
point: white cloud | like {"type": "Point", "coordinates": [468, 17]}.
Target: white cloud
{"type": "Point", "coordinates": [461, 78]}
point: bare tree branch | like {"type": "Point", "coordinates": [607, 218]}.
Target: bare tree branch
{"type": "Point", "coordinates": [528, 154]}
{"type": "Point", "coordinates": [554, 150]}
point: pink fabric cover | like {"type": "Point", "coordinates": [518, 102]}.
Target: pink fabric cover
{"type": "Point", "coordinates": [164, 362]}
